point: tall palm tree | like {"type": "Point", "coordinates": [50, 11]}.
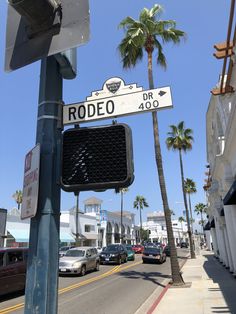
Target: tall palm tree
{"type": "Point", "coordinates": [143, 36]}
{"type": "Point", "coordinates": [121, 191]}
{"type": "Point", "coordinates": [181, 219]}
{"type": "Point", "coordinates": [181, 139]}
{"type": "Point", "coordinates": [18, 198]}
{"type": "Point", "coordinates": [190, 188]}
{"type": "Point", "coordinates": [139, 203]}
{"type": "Point", "coordinates": [201, 208]}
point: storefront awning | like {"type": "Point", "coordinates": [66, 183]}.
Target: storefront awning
{"type": "Point", "coordinates": [230, 197]}
{"type": "Point", "coordinates": [66, 237]}
{"type": "Point", "coordinates": [20, 235]}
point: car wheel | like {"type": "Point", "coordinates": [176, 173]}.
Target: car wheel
{"type": "Point", "coordinates": [83, 270]}
{"type": "Point", "coordinates": [126, 259]}
{"type": "Point", "coordinates": [97, 266]}
{"type": "Point", "coordinates": [119, 261]}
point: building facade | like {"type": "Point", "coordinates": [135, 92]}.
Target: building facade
{"type": "Point", "coordinates": [221, 155]}
{"type": "Point", "coordinates": [157, 228]}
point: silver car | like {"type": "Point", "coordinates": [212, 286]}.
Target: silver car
{"type": "Point", "coordinates": [79, 260]}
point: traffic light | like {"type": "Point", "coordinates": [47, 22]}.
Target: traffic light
{"type": "Point", "coordinates": [97, 158]}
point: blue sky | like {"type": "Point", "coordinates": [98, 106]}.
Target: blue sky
{"type": "Point", "coordinates": [191, 73]}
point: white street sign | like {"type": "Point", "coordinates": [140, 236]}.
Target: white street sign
{"type": "Point", "coordinates": [117, 99]}
{"type": "Point", "coordinates": [31, 183]}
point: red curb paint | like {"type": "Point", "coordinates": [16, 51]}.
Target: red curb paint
{"type": "Point", "coordinates": [158, 300]}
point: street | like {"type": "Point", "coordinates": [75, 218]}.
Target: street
{"type": "Point", "coordinates": [113, 289]}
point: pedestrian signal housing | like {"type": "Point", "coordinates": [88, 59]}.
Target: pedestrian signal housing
{"type": "Point", "coordinates": [97, 158]}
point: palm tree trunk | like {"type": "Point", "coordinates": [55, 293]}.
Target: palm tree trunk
{"type": "Point", "coordinates": [175, 270]}
{"type": "Point", "coordinates": [141, 224]}
{"type": "Point", "coordinates": [77, 219]}
{"type": "Point", "coordinates": [121, 215]}
{"type": "Point", "coordinates": [192, 253]}
{"type": "Point", "coordinates": [202, 223]}
{"type": "Point", "coordinates": [190, 210]}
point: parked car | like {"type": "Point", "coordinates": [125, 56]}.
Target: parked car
{"type": "Point", "coordinates": [138, 248]}
{"type": "Point", "coordinates": [184, 245]}
{"type": "Point", "coordinates": [114, 253]}
{"type": "Point", "coordinates": [13, 264]}
{"type": "Point", "coordinates": [79, 260]}
{"type": "Point", "coordinates": [167, 250]}
{"type": "Point", "coordinates": [64, 249]}
{"type": "Point", "coordinates": [153, 254]}
{"type": "Point", "coordinates": [130, 252]}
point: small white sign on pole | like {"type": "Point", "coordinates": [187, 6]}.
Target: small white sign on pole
{"type": "Point", "coordinates": [31, 183]}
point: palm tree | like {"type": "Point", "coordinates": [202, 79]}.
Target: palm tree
{"type": "Point", "coordinates": [121, 191]}
{"type": "Point", "coordinates": [18, 198]}
{"type": "Point", "coordinates": [190, 188]}
{"type": "Point", "coordinates": [181, 139]}
{"type": "Point", "coordinates": [181, 220]}
{"type": "Point", "coordinates": [139, 203]}
{"type": "Point", "coordinates": [141, 36]}
{"type": "Point", "coordinates": [200, 208]}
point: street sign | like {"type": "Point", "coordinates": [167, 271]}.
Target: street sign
{"type": "Point", "coordinates": [117, 99]}
{"type": "Point", "coordinates": [31, 183]}
{"type": "Point", "coordinates": [23, 49]}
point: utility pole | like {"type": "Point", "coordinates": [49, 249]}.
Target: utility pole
{"type": "Point", "coordinates": [42, 272]}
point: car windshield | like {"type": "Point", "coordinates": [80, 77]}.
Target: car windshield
{"type": "Point", "coordinates": [64, 248]}
{"type": "Point", "coordinates": [152, 250]}
{"type": "Point", "coordinates": [75, 253]}
{"type": "Point", "coordinates": [112, 248]}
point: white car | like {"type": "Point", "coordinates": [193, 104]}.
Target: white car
{"type": "Point", "coordinates": [79, 260]}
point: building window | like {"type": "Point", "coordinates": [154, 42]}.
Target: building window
{"type": "Point", "coordinates": [175, 224]}
{"type": "Point", "coordinates": [89, 228]}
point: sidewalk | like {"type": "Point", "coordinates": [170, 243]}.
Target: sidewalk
{"type": "Point", "coordinates": [211, 289]}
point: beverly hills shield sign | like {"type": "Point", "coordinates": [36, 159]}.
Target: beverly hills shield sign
{"type": "Point", "coordinates": [117, 99]}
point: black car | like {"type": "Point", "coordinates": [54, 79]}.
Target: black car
{"type": "Point", "coordinates": [184, 245]}
{"type": "Point", "coordinates": [114, 253]}
{"type": "Point", "coordinates": [154, 255]}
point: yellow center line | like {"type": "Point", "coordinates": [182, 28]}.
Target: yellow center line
{"type": "Point", "coordinates": [12, 308]}
{"type": "Point", "coordinates": [115, 269]}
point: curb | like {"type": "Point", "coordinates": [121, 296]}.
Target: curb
{"type": "Point", "coordinates": [159, 298]}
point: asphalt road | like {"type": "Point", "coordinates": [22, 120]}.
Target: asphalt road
{"type": "Point", "coordinates": [111, 290]}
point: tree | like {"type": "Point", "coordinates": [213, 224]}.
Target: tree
{"type": "Point", "coordinates": [18, 198]}
{"type": "Point", "coordinates": [139, 203]}
{"type": "Point", "coordinates": [190, 188]}
{"type": "Point", "coordinates": [121, 191]}
{"type": "Point", "coordinates": [181, 139]}
{"type": "Point", "coordinates": [181, 220]}
{"type": "Point", "coordinates": [141, 36]}
{"type": "Point", "coordinates": [201, 208]}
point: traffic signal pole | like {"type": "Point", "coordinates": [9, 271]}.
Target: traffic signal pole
{"type": "Point", "coordinates": [42, 269]}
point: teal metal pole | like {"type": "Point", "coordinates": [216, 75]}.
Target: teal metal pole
{"type": "Point", "coordinates": [42, 269]}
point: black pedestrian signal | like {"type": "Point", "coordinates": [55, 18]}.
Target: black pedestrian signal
{"type": "Point", "coordinates": [97, 158]}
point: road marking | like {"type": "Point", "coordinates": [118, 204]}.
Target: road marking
{"type": "Point", "coordinates": [112, 271]}
{"type": "Point", "coordinates": [12, 308]}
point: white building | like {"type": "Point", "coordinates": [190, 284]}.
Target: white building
{"type": "Point", "coordinates": [109, 223]}
{"type": "Point", "coordinates": [157, 228]}
{"type": "Point", "coordinates": [17, 230]}
{"type": "Point", "coordinates": [96, 227]}
{"type": "Point", "coordinates": [221, 155]}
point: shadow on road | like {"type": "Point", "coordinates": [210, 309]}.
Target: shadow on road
{"type": "Point", "coordinates": [154, 277]}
